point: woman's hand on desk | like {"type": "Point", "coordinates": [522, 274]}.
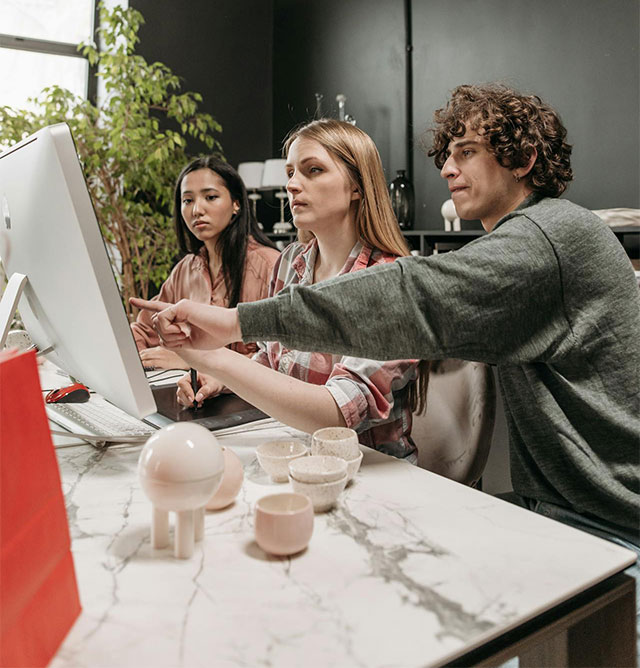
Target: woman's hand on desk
{"type": "Point", "coordinates": [208, 386]}
{"type": "Point", "coordinates": [161, 358]}
{"type": "Point", "coordinates": [189, 324]}
{"type": "Point", "coordinates": [295, 402]}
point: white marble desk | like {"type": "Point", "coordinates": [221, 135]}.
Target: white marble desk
{"type": "Point", "coordinates": [409, 570]}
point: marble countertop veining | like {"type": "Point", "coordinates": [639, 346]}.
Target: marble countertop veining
{"type": "Point", "coordinates": [410, 569]}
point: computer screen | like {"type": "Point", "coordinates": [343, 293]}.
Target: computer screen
{"type": "Point", "coordinates": [71, 300]}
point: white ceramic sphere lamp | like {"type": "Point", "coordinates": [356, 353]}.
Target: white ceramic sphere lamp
{"type": "Point", "coordinates": [275, 177]}
{"type": "Point", "coordinates": [180, 468]}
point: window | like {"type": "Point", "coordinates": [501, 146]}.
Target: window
{"type": "Point", "coordinates": [38, 45]}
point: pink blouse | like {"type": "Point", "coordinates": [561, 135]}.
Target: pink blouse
{"type": "Point", "coordinates": [190, 279]}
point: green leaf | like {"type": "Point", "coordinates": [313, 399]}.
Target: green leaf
{"type": "Point", "coordinates": [132, 146]}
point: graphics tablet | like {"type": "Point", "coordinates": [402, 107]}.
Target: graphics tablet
{"type": "Point", "coordinates": [225, 410]}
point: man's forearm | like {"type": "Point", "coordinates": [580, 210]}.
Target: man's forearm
{"type": "Point", "coordinates": [360, 314]}
{"type": "Point", "coordinates": [449, 305]}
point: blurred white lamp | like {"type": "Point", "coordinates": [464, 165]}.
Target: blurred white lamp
{"type": "Point", "coordinates": [251, 174]}
{"type": "Point", "coordinates": [274, 177]}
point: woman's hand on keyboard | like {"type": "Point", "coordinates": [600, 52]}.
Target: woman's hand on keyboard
{"type": "Point", "coordinates": [208, 386]}
{"type": "Point", "coordinates": [189, 324]}
{"type": "Point", "coordinates": [161, 358]}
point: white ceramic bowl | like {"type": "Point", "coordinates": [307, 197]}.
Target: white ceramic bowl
{"type": "Point", "coordinates": [335, 441]}
{"type": "Point", "coordinates": [274, 457]}
{"type": "Point", "coordinates": [318, 468]}
{"type": "Point", "coordinates": [323, 495]}
{"type": "Point", "coordinates": [353, 466]}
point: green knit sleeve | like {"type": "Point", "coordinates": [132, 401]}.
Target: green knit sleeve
{"type": "Point", "coordinates": [498, 299]}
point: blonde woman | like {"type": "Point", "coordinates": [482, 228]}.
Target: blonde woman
{"type": "Point", "coordinates": [340, 206]}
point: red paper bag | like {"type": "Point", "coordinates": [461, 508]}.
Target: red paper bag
{"type": "Point", "coordinates": [38, 591]}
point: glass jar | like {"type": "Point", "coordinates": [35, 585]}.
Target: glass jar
{"type": "Point", "coordinates": [402, 200]}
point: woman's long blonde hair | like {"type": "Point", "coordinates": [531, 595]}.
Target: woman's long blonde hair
{"type": "Point", "coordinates": [376, 223]}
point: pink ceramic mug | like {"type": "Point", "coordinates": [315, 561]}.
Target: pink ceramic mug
{"type": "Point", "coordinates": [283, 523]}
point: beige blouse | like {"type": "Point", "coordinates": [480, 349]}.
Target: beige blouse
{"type": "Point", "coordinates": [190, 279]}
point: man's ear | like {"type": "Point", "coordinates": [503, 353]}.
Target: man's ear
{"type": "Point", "coordinates": [530, 163]}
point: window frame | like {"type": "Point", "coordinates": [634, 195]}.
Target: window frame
{"type": "Point", "coordinates": [49, 47]}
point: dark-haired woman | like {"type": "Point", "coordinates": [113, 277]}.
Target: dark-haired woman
{"type": "Point", "coordinates": [227, 258]}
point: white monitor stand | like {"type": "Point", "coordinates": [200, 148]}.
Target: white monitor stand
{"type": "Point", "coordinates": [9, 304]}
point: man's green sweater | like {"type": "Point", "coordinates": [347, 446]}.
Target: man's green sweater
{"type": "Point", "coordinates": [550, 298]}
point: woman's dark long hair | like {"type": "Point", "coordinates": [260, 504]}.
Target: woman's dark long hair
{"type": "Point", "coordinates": [233, 240]}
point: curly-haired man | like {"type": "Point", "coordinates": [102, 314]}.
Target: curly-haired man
{"type": "Point", "coordinates": [549, 296]}
{"type": "Point", "coordinates": [522, 133]}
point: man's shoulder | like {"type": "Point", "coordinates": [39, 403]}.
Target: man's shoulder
{"type": "Point", "coordinates": [554, 210]}
{"type": "Point", "coordinates": [554, 220]}
{"type": "Point", "coordinates": [572, 232]}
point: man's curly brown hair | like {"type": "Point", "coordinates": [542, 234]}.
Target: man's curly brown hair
{"type": "Point", "coordinates": [513, 124]}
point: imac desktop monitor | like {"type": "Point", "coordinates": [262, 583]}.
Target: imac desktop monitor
{"type": "Point", "coordinates": [71, 302]}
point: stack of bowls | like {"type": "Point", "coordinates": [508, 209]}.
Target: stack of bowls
{"type": "Point", "coordinates": [338, 442]}
{"type": "Point", "coordinates": [320, 477]}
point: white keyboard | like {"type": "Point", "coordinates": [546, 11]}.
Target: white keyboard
{"type": "Point", "coordinates": [97, 417]}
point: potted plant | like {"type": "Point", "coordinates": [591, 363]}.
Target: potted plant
{"type": "Point", "coordinates": [132, 145]}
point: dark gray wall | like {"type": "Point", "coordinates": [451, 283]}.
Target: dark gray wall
{"type": "Point", "coordinates": [354, 47]}
{"type": "Point", "coordinates": [258, 64]}
{"type": "Point", "coordinates": [222, 50]}
{"type": "Point", "coordinates": [579, 55]}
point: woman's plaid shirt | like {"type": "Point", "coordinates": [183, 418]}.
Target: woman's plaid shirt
{"type": "Point", "coordinates": [371, 394]}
